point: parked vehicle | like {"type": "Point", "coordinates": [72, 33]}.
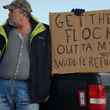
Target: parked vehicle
{"type": "Point", "coordinates": [80, 92]}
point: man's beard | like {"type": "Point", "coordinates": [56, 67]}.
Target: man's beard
{"type": "Point", "coordinates": [12, 22]}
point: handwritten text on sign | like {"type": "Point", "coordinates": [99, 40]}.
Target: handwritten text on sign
{"type": "Point", "coordinates": [80, 43]}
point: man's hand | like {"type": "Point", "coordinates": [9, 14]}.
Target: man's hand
{"type": "Point", "coordinates": [78, 12]}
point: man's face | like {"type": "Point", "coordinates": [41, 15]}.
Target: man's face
{"type": "Point", "coordinates": [15, 16]}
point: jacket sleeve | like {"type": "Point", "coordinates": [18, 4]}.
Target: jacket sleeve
{"type": "Point", "coordinates": [0, 49]}
{"type": "Point", "coordinates": [2, 45]}
{"type": "Point", "coordinates": [2, 40]}
{"type": "Point", "coordinates": [41, 80]}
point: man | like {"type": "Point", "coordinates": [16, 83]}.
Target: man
{"type": "Point", "coordinates": [24, 59]}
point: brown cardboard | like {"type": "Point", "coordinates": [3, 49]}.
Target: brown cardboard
{"type": "Point", "coordinates": [80, 43]}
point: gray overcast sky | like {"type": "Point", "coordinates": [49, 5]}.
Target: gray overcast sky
{"type": "Point", "coordinates": [41, 8]}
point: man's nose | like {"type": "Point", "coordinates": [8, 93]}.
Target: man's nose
{"type": "Point", "coordinates": [9, 14]}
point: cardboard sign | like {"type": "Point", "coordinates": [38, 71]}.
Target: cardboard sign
{"type": "Point", "coordinates": [80, 43]}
